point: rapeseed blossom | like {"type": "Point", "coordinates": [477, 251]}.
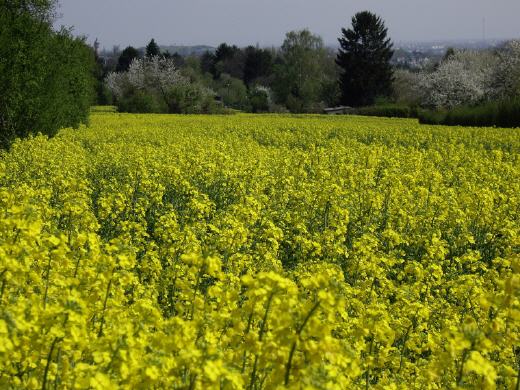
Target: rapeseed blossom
{"type": "Point", "coordinates": [260, 252]}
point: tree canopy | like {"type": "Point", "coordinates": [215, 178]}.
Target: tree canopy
{"type": "Point", "coordinates": [364, 57]}
{"type": "Point", "coordinates": [126, 58]}
{"type": "Point", "coordinates": [298, 75]}
{"type": "Point", "coordinates": [152, 49]}
{"type": "Point", "coordinates": [46, 77]}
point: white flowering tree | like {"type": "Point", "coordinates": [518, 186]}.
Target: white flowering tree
{"type": "Point", "coordinates": [464, 78]}
{"type": "Point", "coordinates": [159, 79]}
{"type": "Point", "coordinates": [155, 73]}
{"type": "Point", "coordinates": [506, 80]}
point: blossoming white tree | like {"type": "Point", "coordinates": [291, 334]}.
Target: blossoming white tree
{"type": "Point", "coordinates": [506, 80]}
{"type": "Point", "coordinates": [464, 78]}
{"type": "Point", "coordinates": [158, 78]}
{"type": "Point", "coordinates": [155, 73]}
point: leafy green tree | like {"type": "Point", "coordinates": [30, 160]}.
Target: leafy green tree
{"type": "Point", "coordinates": [228, 59]}
{"type": "Point", "coordinates": [156, 85]}
{"type": "Point", "coordinates": [259, 99]}
{"type": "Point", "coordinates": [126, 58]}
{"type": "Point", "coordinates": [364, 58]}
{"type": "Point", "coordinates": [207, 63]}
{"type": "Point", "coordinates": [258, 63]}
{"type": "Point", "coordinates": [298, 75]}
{"type": "Point", "coordinates": [232, 91]}
{"type": "Point", "coordinates": [46, 77]}
{"type": "Point", "coordinates": [152, 49]}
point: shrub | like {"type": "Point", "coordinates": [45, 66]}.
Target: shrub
{"type": "Point", "coordinates": [388, 110]}
{"type": "Point", "coordinates": [431, 117]}
{"type": "Point", "coordinates": [141, 102]}
{"type": "Point", "coordinates": [155, 85]}
{"type": "Point", "coordinates": [190, 98]}
{"type": "Point", "coordinates": [46, 77]}
{"type": "Point", "coordinates": [505, 113]}
{"type": "Point", "coordinates": [233, 92]}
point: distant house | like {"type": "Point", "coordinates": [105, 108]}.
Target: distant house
{"type": "Point", "coordinates": [340, 110]}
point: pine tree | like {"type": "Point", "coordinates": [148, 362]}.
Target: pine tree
{"type": "Point", "coordinates": [152, 49]}
{"type": "Point", "coordinates": [364, 58]}
{"type": "Point", "coordinates": [126, 58]}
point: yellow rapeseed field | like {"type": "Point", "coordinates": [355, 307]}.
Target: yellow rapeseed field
{"type": "Point", "coordinates": [260, 252]}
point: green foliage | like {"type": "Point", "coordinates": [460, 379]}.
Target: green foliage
{"type": "Point", "coordinates": [155, 85]}
{"type": "Point", "coordinates": [364, 57]}
{"type": "Point", "coordinates": [258, 64]}
{"type": "Point", "coordinates": [505, 113]}
{"type": "Point", "coordinates": [152, 49]}
{"type": "Point", "coordinates": [232, 91]}
{"type": "Point", "coordinates": [46, 77]}
{"type": "Point", "coordinates": [405, 88]}
{"type": "Point", "coordinates": [299, 76]}
{"type": "Point", "coordinates": [125, 59]}
{"type": "Point", "coordinates": [388, 110]}
{"type": "Point", "coordinates": [190, 99]}
{"type": "Point", "coordinates": [259, 100]}
{"type": "Point", "coordinates": [103, 109]}
{"type": "Point", "coordinates": [139, 101]}
{"type": "Point", "coordinates": [227, 59]}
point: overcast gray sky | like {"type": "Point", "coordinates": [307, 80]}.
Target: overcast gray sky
{"type": "Point", "coordinates": [243, 22]}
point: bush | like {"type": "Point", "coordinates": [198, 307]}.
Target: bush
{"type": "Point", "coordinates": [431, 117]}
{"type": "Point", "coordinates": [233, 92]}
{"type": "Point", "coordinates": [141, 102]}
{"type": "Point", "coordinates": [258, 100]}
{"type": "Point", "coordinates": [190, 99]}
{"type": "Point", "coordinates": [154, 85]}
{"type": "Point", "coordinates": [388, 110]}
{"type": "Point", "coordinates": [103, 109]}
{"type": "Point", "coordinates": [46, 77]}
{"type": "Point", "coordinates": [504, 113]}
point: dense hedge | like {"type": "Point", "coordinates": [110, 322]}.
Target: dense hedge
{"type": "Point", "coordinates": [46, 79]}
{"type": "Point", "coordinates": [388, 110]}
{"type": "Point", "coordinates": [504, 113]}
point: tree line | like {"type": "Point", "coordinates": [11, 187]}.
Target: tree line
{"type": "Point", "coordinates": [303, 75]}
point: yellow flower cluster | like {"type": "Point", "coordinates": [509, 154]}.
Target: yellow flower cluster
{"type": "Point", "coordinates": [260, 252]}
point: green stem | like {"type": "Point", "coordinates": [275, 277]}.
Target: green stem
{"type": "Point", "coordinates": [516, 351]}
{"type": "Point", "coordinates": [293, 347]}
{"type": "Point", "coordinates": [403, 349]}
{"type": "Point", "coordinates": [367, 373]}
{"type": "Point", "coordinates": [48, 364]}
{"type": "Point", "coordinates": [193, 381]}
{"type": "Point", "coordinates": [100, 333]}
{"type": "Point", "coordinates": [260, 337]}
{"type": "Point", "coordinates": [77, 267]}
{"type": "Point", "coordinates": [2, 289]}
{"type": "Point", "coordinates": [57, 379]}
{"type": "Point", "coordinates": [199, 276]}
{"type": "Point", "coordinates": [461, 370]}
{"type": "Point", "coordinates": [249, 321]}
{"type": "Point", "coordinates": [47, 278]}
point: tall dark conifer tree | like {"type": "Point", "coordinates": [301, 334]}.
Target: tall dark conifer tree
{"type": "Point", "coordinates": [364, 58]}
{"type": "Point", "coordinates": [126, 58]}
{"type": "Point", "coordinates": [152, 49]}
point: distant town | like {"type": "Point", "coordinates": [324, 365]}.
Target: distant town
{"type": "Point", "coordinates": [420, 55]}
{"type": "Point", "coordinates": [407, 54]}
